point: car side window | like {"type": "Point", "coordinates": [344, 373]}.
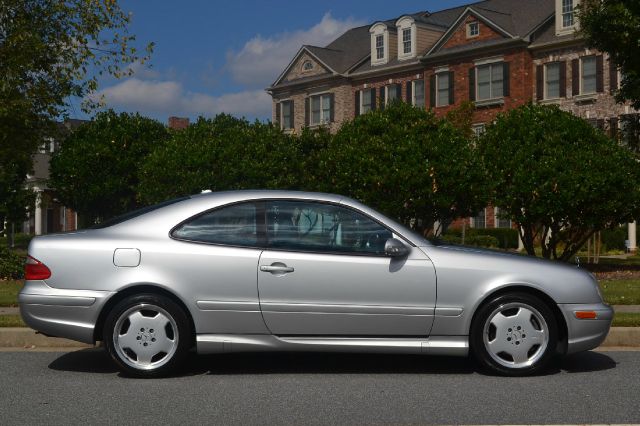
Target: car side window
{"type": "Point", "coordinates": [308, 226]}
{"type": "Point", "coordinates": [233, 225]}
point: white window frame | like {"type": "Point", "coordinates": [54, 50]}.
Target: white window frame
{"type": "Point", "coordinates": [581, 65]}
{"type": "Point", "coordinates": [478, 129]}
{"type": "Point", "coordinates": [379, 47]}
{"type": "Point", "coordinates": [323, 120]}
{"type": "Point", "coordinates": [545, 84]}
{"type": "Point", "coordinates": [413, 93]}
{"type": "Point", "coordinates": [438, 74]}
{"type": "Point", "coordinates": [496, 220]}
{"type": "Point", "coordinates": [474, 218]}
{"type": "Point", "coordinates": [406, 34]}
{"type": "Point", "coordinates": [282, 120]}
{"type": "Point", "coordinates": [470, 26]}
{"type": "Point", "coordinates": [564, 12]}
{"type": "Point", "coordinates": [490, 65]}
{"type": "Point", "coordinates": [386, 93]}
{"type": "Point", "coordinates": [561, 29]}
{"type": "Point", "coordinates": [304, 66]}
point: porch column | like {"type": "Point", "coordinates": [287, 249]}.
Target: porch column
{"type": "Point", "coordinates": [632, 237]}
{"type": "Point", "coordinates": [38, 213]}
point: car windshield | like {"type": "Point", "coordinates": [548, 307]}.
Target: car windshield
{"type": "Point", "coordinates": [135, 213]}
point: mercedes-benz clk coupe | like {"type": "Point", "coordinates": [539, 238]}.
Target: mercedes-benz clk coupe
{"type": "Point", "coordinates": [294, 271]}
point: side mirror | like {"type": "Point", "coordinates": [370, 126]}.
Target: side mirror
{"type": "Point", "coordinates": [395, 248]}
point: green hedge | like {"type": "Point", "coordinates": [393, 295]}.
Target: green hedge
{"type": "Point", "coordinates": [613, 239]}
{"type": "Point", "coordinates": [505, 238]}
{"type": "Point", "coordinates": [11, 264]}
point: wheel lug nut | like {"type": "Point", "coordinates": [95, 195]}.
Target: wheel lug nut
{"type": "Point", "coordinates": [517, 343]}
{"type": "Point", "coordinates": [510, 330]}
{"type": "Point", "coordinates": [153, 339]}
{"type": "Point", "coordinates": [151, 331]}
{"type": "Point", "coordinates": [142, 329]}
{"type": "Point", "coordinates": [138, 337]}
{"type": "Point", "coordinates": [523, 336]}
{"type": "Point", "coordinates": [519, 327]}
{"type": "Point", "coordinates": [145, 343]}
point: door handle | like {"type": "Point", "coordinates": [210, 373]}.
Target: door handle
{"type": "Point", "coordinates": [276, 268]}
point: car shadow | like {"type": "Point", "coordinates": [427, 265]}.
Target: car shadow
{"type": "Point", "coordinates": [96, 360]}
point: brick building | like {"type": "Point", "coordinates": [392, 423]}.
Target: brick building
{"type": "Point", "coordinates": [498, 54]}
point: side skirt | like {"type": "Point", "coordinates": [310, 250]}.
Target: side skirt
{"type": "Point", "coordinates": [434, 345]}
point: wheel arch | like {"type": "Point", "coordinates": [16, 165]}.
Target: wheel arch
{"type": "Point", "coordinates": [563, 331]}
{"type": "Point", "coordinates": [133, 290]}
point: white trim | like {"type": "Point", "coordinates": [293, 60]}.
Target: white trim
{"type": "Point", "coordinates": [545, 95]}
{"type": "Point", "coordinates": [560, 29]}
{"type": "Point", "coordinates": [444, 68]}
{"type": "Point", "coordinates": [376, 30]}
{"type": "Point", "coordinates": [406, 23]}
{"type": "Point", "coordinates": [468, 28]}
{"type": "Point", "coordinates": [491, 60]}
{"type": "Point", "coordinates": [581, 79]}
{"type": "Point", "coordinates": [282, 115]}
{"type": "Point", "coordinates": [491, 100]}
{"type": "Point", "coordinates": [437, 89]}
{"type": "Point", "coordinates": [296, 57]}
{"type": "Point", "coordinates": [413, 92]}
{"type": "Point", "coordinates": [322, 122]}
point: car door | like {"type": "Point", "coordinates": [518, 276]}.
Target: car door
{"type": "Point", "coordinates": [324, 272]}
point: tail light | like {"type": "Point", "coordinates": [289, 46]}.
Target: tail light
{"type": "Point", "coordinates": [35, 270]}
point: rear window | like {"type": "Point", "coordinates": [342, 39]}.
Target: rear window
{"type": "Point", "coordinates": [135, 213]}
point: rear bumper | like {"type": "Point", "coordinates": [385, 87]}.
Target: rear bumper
{"type": "Point", "coordinates": [585, 334]}
{"type": "Point", "coordinates": [71, 314]}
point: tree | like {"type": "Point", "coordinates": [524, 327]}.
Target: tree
{"type": "Point", "coordinates": [558, 178]}
{"type": "Point", "coordinates": [613, 26]}
{"type": "Point", "coordinates": [51, 51]}
{"type": "Point", "coordinates": [96, 170]}
{"type": "Point", "coordinates": [408, 164]}
{"type": "Point", "coordinates": [223, 153]}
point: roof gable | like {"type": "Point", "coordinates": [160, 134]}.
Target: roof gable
{"type": "Point", "coordinates": [294, 69]}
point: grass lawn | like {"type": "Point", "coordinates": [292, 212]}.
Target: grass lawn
{"type": "Point", "coordinates": [621, 292]}
{"type": "Point", "coordinates": [9, 292]}
{"type": "Point", "coordinates": [11, 321]}
{"type": "Point", "coordinates": [626, 319]}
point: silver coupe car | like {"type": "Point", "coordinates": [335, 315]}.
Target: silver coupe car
{"type": "Point", "coordinates": [295, 271]}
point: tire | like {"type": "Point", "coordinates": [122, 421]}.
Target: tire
{"type": "Point", "coordinates": [514, 334]}
{"type": "Point", "coordinates": [147, 335]}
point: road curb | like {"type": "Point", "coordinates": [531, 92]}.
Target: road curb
{"type": "Point", "coordinates": [22, 337]}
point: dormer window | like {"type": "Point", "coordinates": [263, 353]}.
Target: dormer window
{"type": "Point", "coordinates": [406, 35]}
{"type": "Point", "coordinates": [380, 47]}
{"type": "Point", "coordinates": [379, 43]}
{"type": "Point", "coordinates": [566, 19]}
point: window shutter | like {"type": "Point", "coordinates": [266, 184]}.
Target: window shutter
{"type": "Point", "coordinates": [373, 99]}
{"type": "Point", "coordinates": [563, 79]}
{"type": "Point", "coordinates": [357, 103]}
{"type": "Point", "coordinates": [278, 109]}
{"type": "Point", "coordinates": [575, 77]}
{"type": "Point", "coordinates": [382, 97]}
{"type": "Point", "coordinates": [407, 92]}
{"type": "Point", "coordinates": [472, 84]}
{"type": "Point", "coordinates": [613, 128]}
{"type": "Point", "coordinates": [307, 111]}
{"type": "Point", "coordinates": [332, 107]}
{"type": "Point", "coordinates": [540, 82]}
{"type": "Point", "coordinates": [292, 115]}
{"type": "Point", "coordinates": [451, 86]}
{"type": "Point", "coordinates": [613, 77]}
{"type": "Point", "coordinates": [599, 74]}
{"type": "Point", "coordinates": [399, 91]}
{"type": "Point", "coordinates": [600, 123]}
{"type": "Point", "coordinates": [432, 91]}
{"type": "Point", "coordinates": [505, 79]}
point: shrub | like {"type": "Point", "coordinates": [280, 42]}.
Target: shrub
{"type": "Point", "coordinates": [11, 264]}
{"type": "Point", "coordinates": [470, 240]}
{"type": "Point", "coordinates": [505, 238]}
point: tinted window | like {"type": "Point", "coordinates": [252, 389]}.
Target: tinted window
{"type": "Point", "coordinates": [233, 225]}
{"type": "Point", "coordinates": [135, 213]}
{"type": "Point", "coordinates": [306, 226]}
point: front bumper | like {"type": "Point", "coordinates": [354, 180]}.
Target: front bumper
{"type": "Point", "coordinates": [71, 314]}
{"type": "Point", "coordinates": [585, 334]}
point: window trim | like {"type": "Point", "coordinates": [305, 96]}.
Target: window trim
{"type": "Point", "coordinates": [595, 75]}
{"type": "Point", "coordinates": [282, 122]}
{"type": "Point", "coordinates": [373, 100]}
{"type": "Point", "coordinates": [438, 74]}
{"type": "Point", "coordinates": [304, 66]}
{"type": "Point", "coordinates": [563, 13]}
{"type": "Point", "coordinates": [413, 93]}
{"type": "Point", "coordinates": [261, 227]}
{"type": "Point", "coordinates": [376, 38]}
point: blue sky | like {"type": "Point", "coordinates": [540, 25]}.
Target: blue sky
{"type": "Point", "coordinates": [218, 56]}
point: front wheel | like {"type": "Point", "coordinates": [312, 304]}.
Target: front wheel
{"type": "Point", "coordinates": [514, 334]}
{"type": "Point", "coordinates": [147, 335]}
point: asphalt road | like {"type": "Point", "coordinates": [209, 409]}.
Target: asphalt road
{"type": "Point", "coordinates": [83, 387]}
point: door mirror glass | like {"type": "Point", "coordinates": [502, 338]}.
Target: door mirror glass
{"type": "Point", "coordinates": [395, 248]}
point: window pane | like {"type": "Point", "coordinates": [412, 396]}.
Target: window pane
{"type": "Point", "coordinates": [366, 101]}
{"type": "Point", "coordinates": [497, 76]}
{"type": "Point", "coordinates": [303, 226]}
{"type": "Point", "coordinates": [418, 93]}
{"type": "Point", "coordinates": [326, 109]}
{"type": "Point", "coordinates": [286, 114]}
{"type": "Point", "coordinates": [552, 81]}
{"type": "Point", "coordinates": [479, 220]}
{"type": "Point", "coordinates": [443, 89]}
{"type": "Point", "coordinates": [589, 75]}
{"type": "Point", "coordinates": [391, 93]}
{"type": "Point", "coordinates": [315, 110]}
{"type": "Point", "coordinates": [484, 76]}
{"type": "Point", "coordinates": [380, 47]}
{"type": "Point", "coordinates": [233, 225]}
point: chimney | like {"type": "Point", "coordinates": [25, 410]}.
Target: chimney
{"type": "Point", "coordinates": [178, 123]}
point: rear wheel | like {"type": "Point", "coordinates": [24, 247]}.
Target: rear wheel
{"type": "Point", "coordinates": [147, 335]}
{"type": "Point", "coordinates": [514, 334]}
